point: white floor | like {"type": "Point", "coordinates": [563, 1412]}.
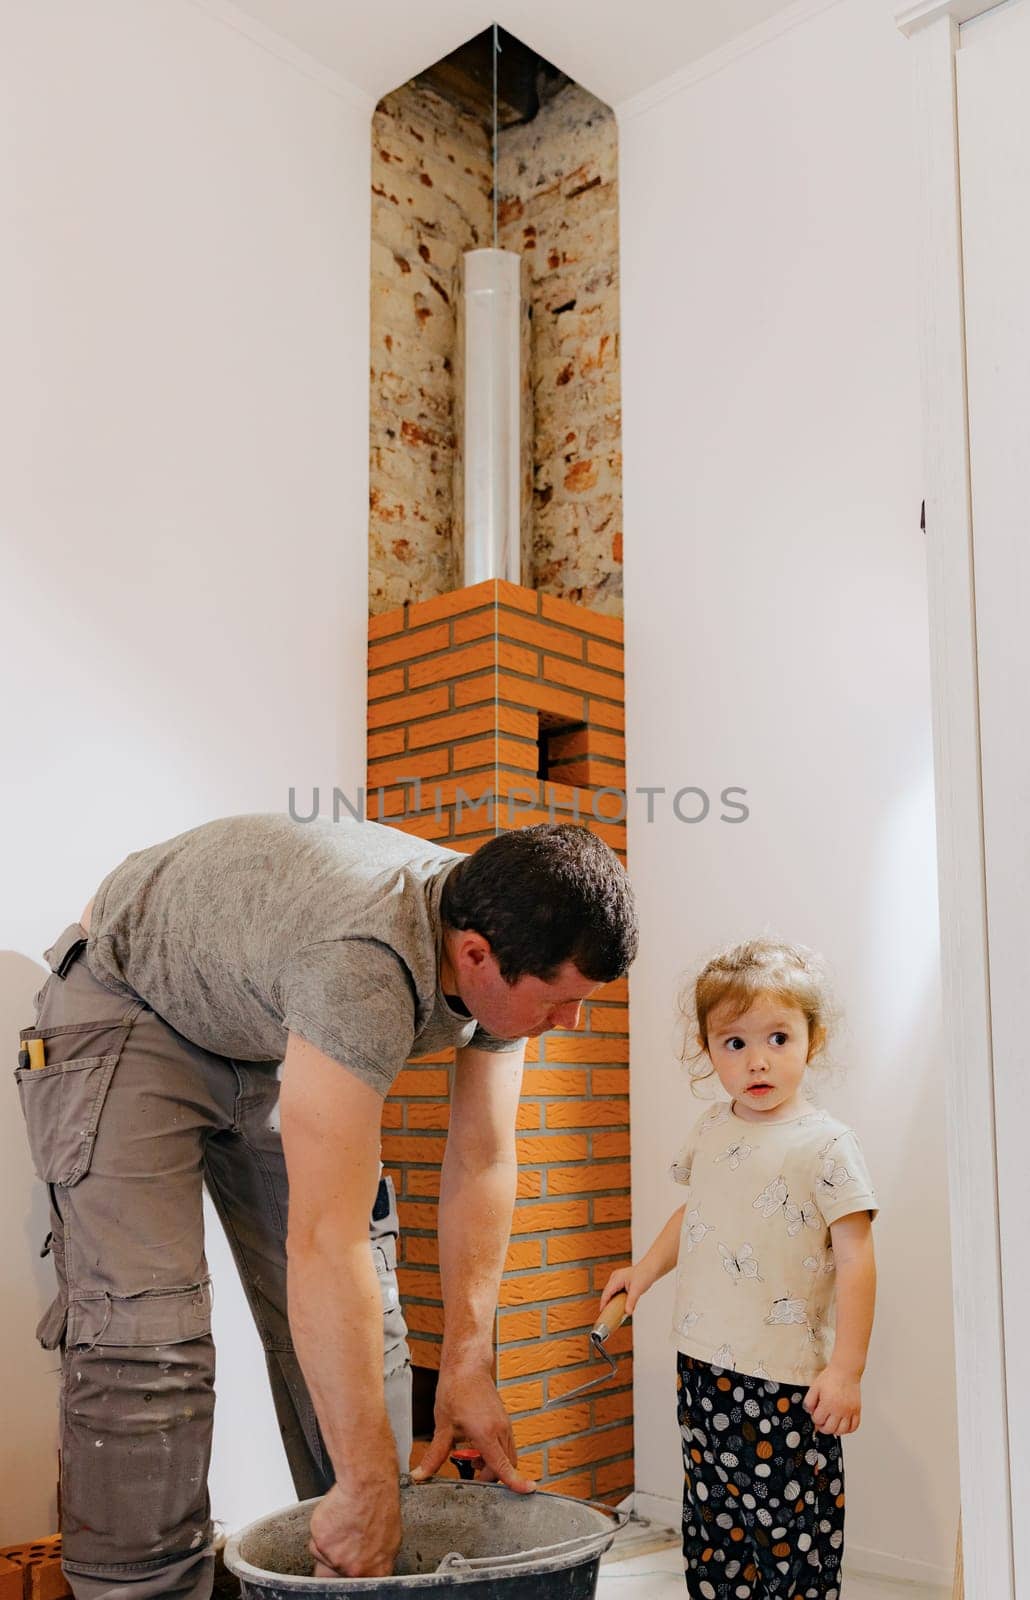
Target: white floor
{"type": "Point", "coordinates": [659, 1576]}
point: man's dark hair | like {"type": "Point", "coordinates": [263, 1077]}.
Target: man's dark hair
{"type": "Point", "coordinates": [545, 895]}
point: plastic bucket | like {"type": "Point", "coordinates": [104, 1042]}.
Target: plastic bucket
{"type": "Point", "coordinates": [477, 1539]}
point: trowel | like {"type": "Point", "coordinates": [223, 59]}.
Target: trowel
{"type": "Point", "coordinates": [610, 1320]}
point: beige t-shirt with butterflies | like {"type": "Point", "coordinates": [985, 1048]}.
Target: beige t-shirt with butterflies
{"type": "Point", "coordinates": [755, 1277]}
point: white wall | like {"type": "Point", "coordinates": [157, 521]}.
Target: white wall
{"type": "Point", "coordinates": [772, 449]}
{"type": "Point", "coordinates": [183, 505]}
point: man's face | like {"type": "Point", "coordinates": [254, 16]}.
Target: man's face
{"type": "Point", "coordinates": [528, 1006]}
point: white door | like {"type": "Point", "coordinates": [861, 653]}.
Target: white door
{"type": "Point", "coordinates": [993, 80]}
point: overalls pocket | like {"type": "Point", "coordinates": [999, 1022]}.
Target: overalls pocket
{"type": "Point", "coordinates": [50, 1329]}
{"type": "Point", "coordinates": [62, 1101]}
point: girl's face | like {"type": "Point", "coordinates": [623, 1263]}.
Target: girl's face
{"type": "Point", "coordinates": [760, 1056]}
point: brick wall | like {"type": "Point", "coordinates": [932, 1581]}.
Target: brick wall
{"type": "Point", "coordinates": [458, 689]}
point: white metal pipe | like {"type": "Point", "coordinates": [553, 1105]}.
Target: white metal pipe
{"type": "Point", "coordinates": [492, 412]}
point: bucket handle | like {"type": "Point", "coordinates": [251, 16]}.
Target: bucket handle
{"type": "Point", "coordinates": [454, 1562]}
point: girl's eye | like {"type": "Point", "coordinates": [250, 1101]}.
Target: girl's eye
{"type": "Point", "coordinates": [734, 1044]}
{"type": "Point", "coordinates": [778, 1038]}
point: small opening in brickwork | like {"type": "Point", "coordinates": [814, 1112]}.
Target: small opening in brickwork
{"type": "Point", "coordinates": [550, 730]}
{"type": "Point", "coordinates": [423, 1400]}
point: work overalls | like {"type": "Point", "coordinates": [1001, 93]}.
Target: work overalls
{"type": "Point", "coordinates": [127, 1122]}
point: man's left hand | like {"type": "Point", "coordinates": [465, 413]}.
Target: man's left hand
{"type": "Point", "coordinates": [468, 1408]}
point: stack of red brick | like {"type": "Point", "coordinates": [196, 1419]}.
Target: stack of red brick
{"type": "Point", "coordinates": [33, 1571]}
{"type": "Point", "coordinates": [460, 689]}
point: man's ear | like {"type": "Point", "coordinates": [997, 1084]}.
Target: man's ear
{"type": "Point", "coordinates": [473, 947]}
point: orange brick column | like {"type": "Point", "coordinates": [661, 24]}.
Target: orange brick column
{"type": "Point", "coordinates": [507, 706]}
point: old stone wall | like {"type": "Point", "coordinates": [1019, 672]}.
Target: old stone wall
{"type": "Point", "coordinates": [557, 193]}
{"type": "Point", "coordinates": [557, 205]}
{"type": "Point", "coordinates": [431, 200]}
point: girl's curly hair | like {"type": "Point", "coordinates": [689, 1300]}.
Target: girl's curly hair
{"type": "Point", "coordinates": [736, 978]}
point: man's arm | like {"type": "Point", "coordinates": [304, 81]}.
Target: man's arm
{"type": "Point", "coordinates": [330, 1121]}
{"type": "Point", "coordinates": [477, 1196]}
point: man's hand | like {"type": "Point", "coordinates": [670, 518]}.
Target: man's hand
{"type": "Point", "coordinates": [330, 1126]}
{"type": "Point", "coordinates": [356, 1528]}
{"type": "Point", "coordinates": [477, 1193]}
{"type": "Point", "coordinates": [468, 1407]}
{"type": "Point", "coordinates": [834, 1401]}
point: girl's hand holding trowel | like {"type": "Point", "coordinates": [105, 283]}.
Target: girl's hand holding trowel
{"type": "Point", "coordinates": [630, 1281]}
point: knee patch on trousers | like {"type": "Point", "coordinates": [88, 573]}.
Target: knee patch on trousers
{"type": "Point", "coordinates": [138, 1408]}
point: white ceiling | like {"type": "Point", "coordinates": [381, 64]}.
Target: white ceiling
{"type": "Point", "coordinates": [614, 48]}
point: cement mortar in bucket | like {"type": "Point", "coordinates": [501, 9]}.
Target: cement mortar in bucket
{"type": "Point", "coordinates": [478, 1539]}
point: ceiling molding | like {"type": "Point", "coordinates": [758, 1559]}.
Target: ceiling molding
{"type": "Point", "coordinates": [791, 17]}
{"type": "Point", "coordinates": [911, 18]}
{"type": "Point", "coordinates": [275, 44]}
{"type": "Point", "coordinates": [612, 48]}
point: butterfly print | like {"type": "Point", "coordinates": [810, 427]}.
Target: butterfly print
{"type": "Point", "coordinates": [681, 1167]}
{"type": "Point", "coordinates": [787, 1311]}
{"type": "Point", "coordinates": [742, 1264]}
{"type": "Point", "coordinates": [805, 1215]}
{"type": "Point", "coordinates": [714, 1118]}
{"type": "Point", "coordinates": [694, 1229]}
{"type": "Point", "coordinates": [772, 1198]}
{"type": "Point", "coordinates": [833, 1177]}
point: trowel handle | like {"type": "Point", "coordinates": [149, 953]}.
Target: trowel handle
{"type": "Point", "coordinates": [611, 1318]}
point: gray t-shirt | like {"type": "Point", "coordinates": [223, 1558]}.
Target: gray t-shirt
{"type": "Point", "coordinates": [252, 927]}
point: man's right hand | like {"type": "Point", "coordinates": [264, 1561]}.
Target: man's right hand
{"type": "Point", "coordinates": [356, 1528]}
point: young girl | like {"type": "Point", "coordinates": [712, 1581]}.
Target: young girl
{"type": "Point", "coordinates": [773, 1239]}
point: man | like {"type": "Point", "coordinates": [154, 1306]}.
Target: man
{"type": "Point", "coordinates": [231, 1010]}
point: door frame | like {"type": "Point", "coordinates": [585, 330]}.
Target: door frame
{"type": "Point", "coordinates": [933, 28]}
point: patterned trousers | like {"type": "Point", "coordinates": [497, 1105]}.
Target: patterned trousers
{"type": "Point", "coordinates": [763, 1492]}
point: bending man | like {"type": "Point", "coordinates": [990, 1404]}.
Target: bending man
{"type": "Point", "coordinates": [231, 1010]}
